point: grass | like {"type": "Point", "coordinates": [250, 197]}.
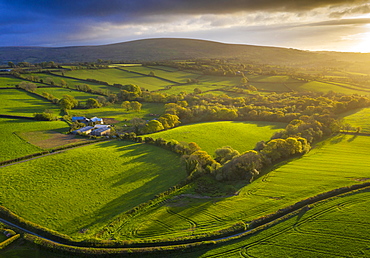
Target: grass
{"type": "Point", "coordinates": [73, 82]}
{"type": "Point", "coordinates": [242, 136]}
{"type": "Point", "coordinates": [358, 118]}
{"type": "Point", "coordinates": [13, 143]}
{"type": "Point", "coordinates": [59, 92]}
{"type": "Point", "coordinates": [113, 76]}
{"type": "Point", "coordinates": [88, 186]}
{"type": "Point", "coordinates": [120, 114]}
{"type": "Point", "coordinates": [339, 161]}
{"type": "Point", "coordinates": [9, 81]}
{"type": "Point", "coordinates": [20, 103]}
{"type": "Point", "coordinates": [164, 72]}
{"type": "Point", "coordinates": [335, 228]}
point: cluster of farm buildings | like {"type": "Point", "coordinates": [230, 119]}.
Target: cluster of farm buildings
{"type": "Point", "coordinates": [94, 126]}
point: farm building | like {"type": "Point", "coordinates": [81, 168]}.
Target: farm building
{"type": "Point", "coordinates": [101, 131]}
{"type": "Point", "coordinates": [86, 130]}
{"type": "Point", "coordinates": [80, 119]}
{"type": "Point", "coordinates": [97, 120]}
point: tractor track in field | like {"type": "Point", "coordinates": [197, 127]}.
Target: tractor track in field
{"type": "Point", "coordinates": [241, 251]}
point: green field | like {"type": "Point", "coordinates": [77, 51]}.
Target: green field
{"type": "Point", "coordinates": [339, 161]}
{"type": "Point", "coordinates": [59, 92]}
{"type": "Point", "coordinates": [113, 76]}
{"type": "Point", "coordinates": [338, 227]}
{"type": "Point", "coordinates": [9, 81]}
{"type": "Point", "coordinates": [70, 82]}
{"type": "Point", "coordinates": [21, 103]}
{"type": "Point", "coordinates": [242, 136]}
{"type": "Point", "coordinates": [13, 145]}
{"type": "Point", "coordinates": [358, 118]}
{"type": "Point", "coordinates": [88, 186]}
{"type": "Point", "coordinates": [120, 114]}
{"type": "Point", "coordinates": [164, 72]}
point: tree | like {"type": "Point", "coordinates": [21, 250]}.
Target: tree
{"type": "Point", "coordinates": [225, 154]}
{"type": "Point", "coordinates": [153, 126]}
{"type": "Point", "coordinates": [169, 121]}
{"type": "Point", "coordinates": [137, 123]}
{"type": "Point", "coordinates": [28, 86]}
{"type": "Point", "coordinates": [126, 105]}
{"type": "Point", "coordinates": [136, 106]}
{"type": "Point", "coordinates": [68, 102]}
{"type": "Point", "coordinates": [92, 103]}
{"type": "Point", "coordinates": [11, 64]}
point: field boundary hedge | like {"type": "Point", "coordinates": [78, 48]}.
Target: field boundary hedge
{"type": "Point", "coordinates": [64, 243]}
{"type": "Point", "coordinates": [9, 241]}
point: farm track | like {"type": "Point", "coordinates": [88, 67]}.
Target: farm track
{"type": "Point", "coordinates": [244, 251]}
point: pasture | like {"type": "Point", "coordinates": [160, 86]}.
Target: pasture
{"type": "Point", "coordinates": [338, 227]}
{"type": "Point", "coordinates": [71, 82]}
{"type": "Point", "coordinates": [21, 103]}
{"type": "Point", "coordinates": [88, 186]}
{"type": "Point", "coordinates": [14, 144]}
{"type": "Point", "coordinates": [120, 114]}
{"type": "Point", "coordinates": [358, 118]}
{"type": "Point", "coordinates": [59, 92]}
{"type": "Point", "coordinates": [164, 72]}
{"type": "Point", "coordinates": [9, 81]}
{"type": "Point", "coordinates": [337, 162]}
{"type": "Point", "coordinates": [241, 136]}
{"type": "Point", "coordinates": [113, 76]}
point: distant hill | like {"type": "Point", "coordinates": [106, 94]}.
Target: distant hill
{"type": "Point", "coordinates": [178, 49]}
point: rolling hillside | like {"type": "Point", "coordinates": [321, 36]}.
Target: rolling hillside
{"type": "Point", "coordinates": [172, 49]}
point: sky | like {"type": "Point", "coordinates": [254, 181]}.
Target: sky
{"type": "Point", "coordinates": [335, 25]}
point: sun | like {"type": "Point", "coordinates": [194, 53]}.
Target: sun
{"type": "Point", "coordinates": [361, 41]}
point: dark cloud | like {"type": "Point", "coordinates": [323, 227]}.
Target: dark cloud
{"type": "Point", "coordinates": [99, 8]}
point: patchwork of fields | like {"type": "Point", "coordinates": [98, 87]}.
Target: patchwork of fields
{"type": "Point", "coordinates": [339, 161]}
{"type": "Point", "coordinates": [241, 136]}
{"type": "Point", "coordinates": [83, 192]}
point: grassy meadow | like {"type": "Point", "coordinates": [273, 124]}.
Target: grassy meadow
{"type": "Point", "coordinates": [88, 186]}
{"type": "Point", "coordinates": [13, 144]}
{"type": "Point", "coordinates": [120, 114]}
{"type": "Point", "coordinates": [358, 118]}
{"type": "Point", "coordinates": [337, 227]}
{"type": "Point", "coordinates": [242, 136]}
{"type": "Point", "coordinates": [164, 72]}
{"type": "Point", "coordinates": [21, 103]}
{"type": "Point", "coordinates": [9, 81]}
{"type": "Point", "coordinates": [60, 92]}
{"type": "Point", "coordinates": [72, 82]}
{"type": "Point", "coordinates": [337, 162]}
{"type": "Point", "coordinates": [113, 76]}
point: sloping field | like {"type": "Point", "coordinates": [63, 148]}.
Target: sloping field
{"type": "Point", "coordinates": [338, 227]}
{"type": "Point", "coordinates": [21, 103]}
{"type": "Point", "coordinates": [120, 114]}
{"type": "Point", "coordinates": [113, 76]}
{"type": "Point", "coordinates": [359, 118]}
{"type": "Point", "coordinates": [59, 92]}
{"type": "Point", "coordinates": [70, 82]}
{"type": "Point", "coordinates": [164, 72]}
{"type": "Point", "coordinates": [84, 188]}
{"type": "Point", "coordinates": [340, 161]}
{"type": "Point", "coordinates": [12, 145]}
{"type": "Point", "coordinates": [9, 81]}
{"type": "Point", "coordinates": [242, 136]}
